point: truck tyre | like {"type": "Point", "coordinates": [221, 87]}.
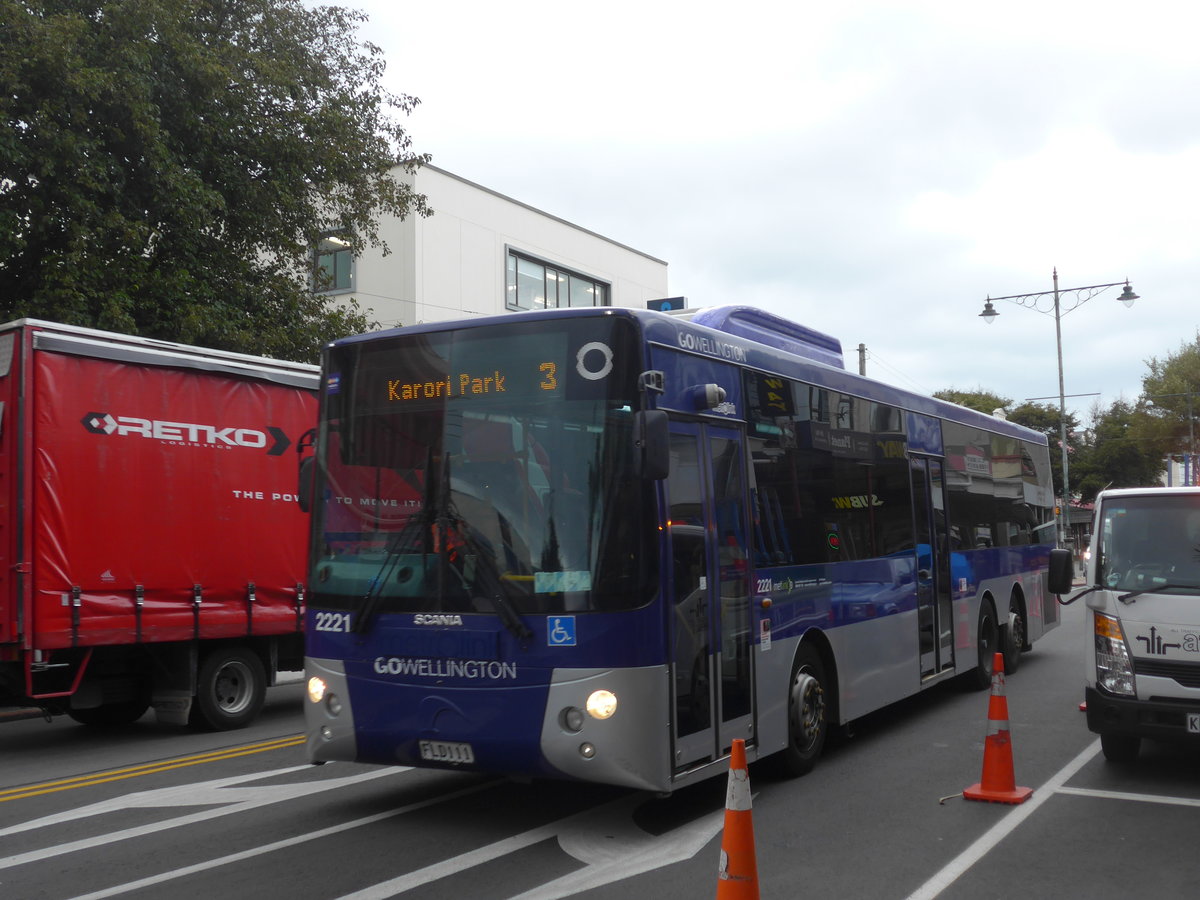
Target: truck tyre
{"type": "Point", "coordinates": [1120, 748]}
{"type": "Point", "coordinates": [987, 642]}
{"type": "Point", "coordinates": [230, 688]}
{"type": "Point", "coordinates": [807, 714]}
{"type": "Point", "coordinates": [111, 714]}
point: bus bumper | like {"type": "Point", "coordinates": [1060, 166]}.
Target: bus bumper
{"type": "Point", "coordinates": [329, 720]}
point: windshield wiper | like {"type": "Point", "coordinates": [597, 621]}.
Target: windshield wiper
{"type": "Point", "coordinates": [485, 564]}
{"type": "Point", "coordinates": [369, 605]}
{"type": "Point", "coordinates": [1126, 598]}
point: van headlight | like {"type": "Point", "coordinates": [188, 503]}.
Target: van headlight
{"type": "Point", "coordinates": [1114, 670]}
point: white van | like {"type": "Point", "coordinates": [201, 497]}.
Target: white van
{"type": "Point", "coordinates": [1142, 662]}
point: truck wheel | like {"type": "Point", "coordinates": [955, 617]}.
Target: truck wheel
{"type": "Point", "coordinates": [230, 688]}
{"type": "Point", "coordinates": [124, 713]}
{"type": "Point", "coordinates": [987, 643]}
{"type": "Point", "coordinates": [1120, 748]}
{"type": "Point", "coordinates": [807, 719]}
{"type": "Point", "coordinates": [1014, 636]}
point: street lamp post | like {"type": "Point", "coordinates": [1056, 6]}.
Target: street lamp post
{"type": "Point", "coordinates": [1031, 301]}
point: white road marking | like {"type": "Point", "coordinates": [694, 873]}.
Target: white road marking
{"type": "Point", "coordinates": [220, 791]}
{"type": "Point", "coordinates": [277, 845]}
{"type": "Point", "coordinates": [1139, 798]}
{"type": "Point", "coordinates": [1005, 826]}
{"type": "Point", "coordinates": [613, 848]}
{"type": "Point", "coordinates": [604, 838]}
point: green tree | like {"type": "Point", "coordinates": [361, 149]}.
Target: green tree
{"type": "Point", "coordinates": [1118, 453]}
{"type": "Point", "coordinates": [1171, 399]}
{"type": "Point", "coordinates": [979, 400]}
{"type": "Point", "coordinates": [166, 166]}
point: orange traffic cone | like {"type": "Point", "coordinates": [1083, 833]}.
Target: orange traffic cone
{"type": "Point", "coordinates": [737, 878]}
{"type": "Point", "coordinates": [998, 784]}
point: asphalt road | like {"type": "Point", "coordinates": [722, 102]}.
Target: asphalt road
{"type": "Point", "coordinates": [149, 812]}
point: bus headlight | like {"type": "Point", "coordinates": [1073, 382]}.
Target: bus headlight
{"type": "Point", "coordinates": [316, 689]}
{"type": "Point", "coordinates": [602, 704]}
{"type": "Point", "coordinates": [333, 704]}
{"type": "Point", "coordinates": [1114, 671]}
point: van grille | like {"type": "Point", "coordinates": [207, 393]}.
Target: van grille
{"type": "Point", "coordinates": [1185, 673]}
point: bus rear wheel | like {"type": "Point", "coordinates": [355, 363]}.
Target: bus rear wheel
{"type": "Point", "coordinates": [987, 643]}
{"type": "Point", "coordinates": [1014, 636]}
{"type": "Point", "coordinates": [807, 714]}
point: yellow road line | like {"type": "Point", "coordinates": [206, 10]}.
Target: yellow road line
{"type": "Point", "coordinates": [66, 784]}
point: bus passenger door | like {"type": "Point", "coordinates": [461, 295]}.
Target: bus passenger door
{"type": "Point", "coordinates": [934, 608]}
{"type": "Point", "coordinates": [710, 592]}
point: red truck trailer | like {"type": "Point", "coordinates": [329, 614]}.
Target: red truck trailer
{"type": "Point", "coordinates": [152, 550]}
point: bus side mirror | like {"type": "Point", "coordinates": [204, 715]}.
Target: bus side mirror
{"type": "Point", "coordinates": [1062, 572]}
{"type": "Point", "coordinates": [304, 490]}
{"type": "Point", "coordinates": [651, 445]}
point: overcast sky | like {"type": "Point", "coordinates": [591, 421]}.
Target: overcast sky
{"type": "Point", "coordinates": [871, 169]}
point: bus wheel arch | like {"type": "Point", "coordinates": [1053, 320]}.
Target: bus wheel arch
{"type": "Point", "coordinates": [811, 706]}
{"type": "Point", "coordinates": [1015, 639]}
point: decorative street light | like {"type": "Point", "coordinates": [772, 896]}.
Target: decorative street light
{"type": "Point", "coordinates": [1081, 295]}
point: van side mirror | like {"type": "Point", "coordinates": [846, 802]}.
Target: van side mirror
{"type": "Point", "coordinates": [651, 445]}
{"type": "Point", "coordinates": [1062, 572]}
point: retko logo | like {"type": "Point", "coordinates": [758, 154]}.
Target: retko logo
{"type": "Point", "coordinates": [189, 434]}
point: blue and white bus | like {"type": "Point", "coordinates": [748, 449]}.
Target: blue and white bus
{"type": "Point", "coordinates": [600, 544]}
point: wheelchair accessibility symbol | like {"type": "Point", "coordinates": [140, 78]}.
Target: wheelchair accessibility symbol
{"type": "Point", "coordinates": [560, 631]}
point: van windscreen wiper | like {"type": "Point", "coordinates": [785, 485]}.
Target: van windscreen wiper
{"type": "Point", "coordinates": [1128, 598]}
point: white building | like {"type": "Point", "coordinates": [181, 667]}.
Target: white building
{"type": "Point", "coordinates": [482, 253]}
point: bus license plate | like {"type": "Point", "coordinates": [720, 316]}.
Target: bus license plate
{"type": "Point", "coordinates": [447, 751]}
{"type": "Point", "coordinates": [1193, 723]}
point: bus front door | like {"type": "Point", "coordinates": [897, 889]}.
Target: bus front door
{"type": "Point", "coordinates": [934, 608]}
{"type": "Point", "coordinates": [710, 592]}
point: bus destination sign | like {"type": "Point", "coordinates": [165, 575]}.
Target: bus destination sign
{"type": "Point", "coordinates": [493, 383]}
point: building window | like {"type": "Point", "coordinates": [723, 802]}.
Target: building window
{"type": "Point", "coordinates": [333, 266]}
{"type": "Point", "coordinates": [533, 284]}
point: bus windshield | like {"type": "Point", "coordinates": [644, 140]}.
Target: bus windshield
{"type": "Point", "coordinates": [486, 471]}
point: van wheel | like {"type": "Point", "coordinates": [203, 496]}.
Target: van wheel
{"type": "Point", "coordinates": [807, 714]}
{"type": "Point", "coordinates": [987, 643]}
{"type": "Point", "coordinates": [230, 688]}
{"type": "Point", "coordinates": [1120, 748]}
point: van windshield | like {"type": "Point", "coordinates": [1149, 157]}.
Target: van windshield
{"type": "Point", "coordinates": [1150, 543]}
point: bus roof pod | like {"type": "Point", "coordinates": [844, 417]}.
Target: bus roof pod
{"type": "Point", "coordinates": [772, 330]}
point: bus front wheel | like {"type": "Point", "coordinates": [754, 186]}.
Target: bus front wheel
{"type": "Point", "coordinates": [807, 722]}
